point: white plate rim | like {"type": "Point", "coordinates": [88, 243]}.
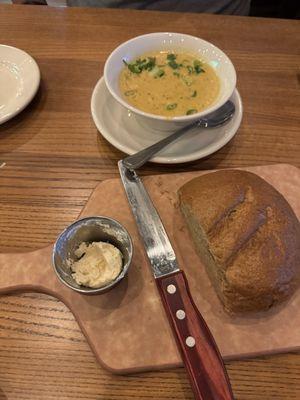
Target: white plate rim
{"type": "Point", "coordinates": [30, 93]}
{"type": "Point", "coordinates": [164, 159]}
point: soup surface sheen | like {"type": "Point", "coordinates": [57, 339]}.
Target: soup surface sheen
{"type": "Point", "coordinates": [170, 84]}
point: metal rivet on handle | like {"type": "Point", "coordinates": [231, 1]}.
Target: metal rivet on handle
{"type": "Point", "coordinates": [190, 341]}
{"type": "Point", "coordinates": [180, 314]}
{"type": "Point", "coordinates": [171, 289]}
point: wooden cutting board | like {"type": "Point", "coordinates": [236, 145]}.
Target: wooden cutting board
{"type": "Point", "coordinates": [126, 327]}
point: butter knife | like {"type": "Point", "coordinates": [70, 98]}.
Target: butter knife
{"type": "Point", "coordinates": [196, 344]}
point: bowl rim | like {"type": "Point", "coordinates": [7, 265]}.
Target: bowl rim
{"type": "Point", "coordinates": [84, 289]}
{"type": "Point", "coordinates": [182, 118]}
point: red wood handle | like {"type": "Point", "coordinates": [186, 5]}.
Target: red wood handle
{"type": "Point", "coordinates": [198, 349]}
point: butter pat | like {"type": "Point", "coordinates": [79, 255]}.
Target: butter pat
{"type": "Point", "coordinates": [99, 265]}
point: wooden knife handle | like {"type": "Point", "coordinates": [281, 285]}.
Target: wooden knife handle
{"type": "Point", "coordinates": [198, 349]}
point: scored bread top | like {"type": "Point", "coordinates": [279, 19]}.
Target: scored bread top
{"type": "Point", "coordinates": [252, 234]}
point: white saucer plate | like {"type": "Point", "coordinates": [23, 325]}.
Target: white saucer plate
{"type": "Point", "coordinates": [120, 127]}
{"type": "Point", "coordinates": [19, 81]}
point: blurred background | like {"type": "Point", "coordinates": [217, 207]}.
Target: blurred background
{"type": "Point", "coordinates": [259, 8]}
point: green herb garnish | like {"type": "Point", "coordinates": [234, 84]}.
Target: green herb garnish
{"type": "Point", "coordinates": [194, 93]}
{"type": "Point", "coordinates": [150, 63]}
{"type": "Point", "coordinates": [171, 106]}
{"type": "Point", "coordinates": [173, 64]}
{"type": "Point", "coordinates": [198, 67]}
{"type": "Point", "coordinates": [176, 74]}
{"type": "Point", "coordinates": [139, 65]}
{"type": "Point", "coordinates": [160, 73]}
{"type": "Point", "coordinates": [133, 67]}
{"type": "Point", "coordinates": [171, 58]}
{"type": "Point", "coordinates": [157, 72]}
{"type": "Point", "coordinates": [130, 92]}
{"type": "Point", "coordinates": [191, 111]}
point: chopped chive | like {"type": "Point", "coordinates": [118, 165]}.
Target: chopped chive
{"type": "Point", "coordinates": [174, 65]}
{"type": "Point", "coordinates": [176, 74]}
{"type": "Point", "coordinates": [194, 93]}
{"type": "Point", "coordinates": [190, 69]}
{"type": "Point", "coordinates": [134, 68]}
{"type": "Point", "coordinates": [160, 73]}
{"type": "Point", "coordinates": [130, 92]}
{"type": "Point", "coordinates": [171, 57]}
{"type": "Point", "coordinates": [198, 66]}
{"type": "Point", "coordinates": [171, 106]}
{"type": "Point", "coordinates": [150, 63]}
{"type": "Point", "coordinates": [191, 111]}
{"type": "Point", "coordinates": [139, 65]}
{"type": "Point", "coordinates": [157, 72]}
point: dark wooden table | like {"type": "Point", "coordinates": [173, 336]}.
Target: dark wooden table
{"type": "Point", "coordinates": [54, 158]}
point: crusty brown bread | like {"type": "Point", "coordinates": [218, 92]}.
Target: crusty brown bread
{"type": "Point", "coordinates": [247, 235]}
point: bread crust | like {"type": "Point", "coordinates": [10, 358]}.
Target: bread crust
{"type": "Point", "coordinates": [246, 234]}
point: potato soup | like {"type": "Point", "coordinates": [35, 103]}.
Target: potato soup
{"type": "Point", "coordinates": [170, 84]}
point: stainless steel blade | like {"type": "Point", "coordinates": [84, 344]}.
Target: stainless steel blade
{"type": "Point", "coordinates": [157, 244]}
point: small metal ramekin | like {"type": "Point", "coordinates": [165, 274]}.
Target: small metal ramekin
{"type": "Point", "coordinates": [90, 229]}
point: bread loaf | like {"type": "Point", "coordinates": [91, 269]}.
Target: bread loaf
{"type": "Point", "coordinates": [246, 234]}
